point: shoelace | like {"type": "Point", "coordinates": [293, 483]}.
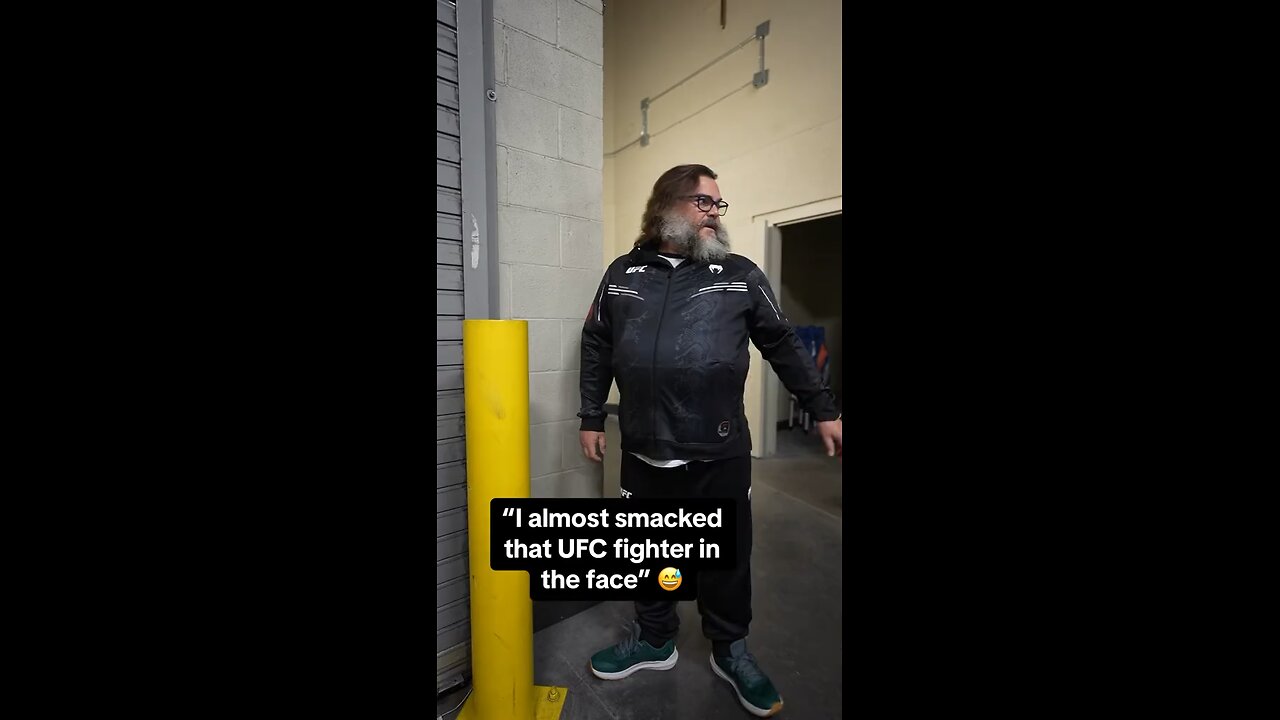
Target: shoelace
{"type": "Point", "coordinates": [630, 643]}
{"type": "Point", "coordinates": [744, 666]}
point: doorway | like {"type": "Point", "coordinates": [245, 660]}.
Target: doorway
{"type": "Point", "coordinates": [810, 293]}
{"type": "Point", "coordinates": [804, 255]}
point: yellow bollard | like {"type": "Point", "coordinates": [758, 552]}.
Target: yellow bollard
{"type": "Point", "coordinates": [496, 389]}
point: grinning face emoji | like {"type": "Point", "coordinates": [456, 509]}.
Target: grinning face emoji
{"type": "Point", "coordinates": [669, 578]}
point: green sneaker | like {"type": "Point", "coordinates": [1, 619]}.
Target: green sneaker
{"type": "Point", "coordinates": [632, 654]}
{"type": "Point", "coordinates": [754, 690]}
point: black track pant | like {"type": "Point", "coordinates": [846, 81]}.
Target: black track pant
{"type": "Point", "coordinates": [724, 596]}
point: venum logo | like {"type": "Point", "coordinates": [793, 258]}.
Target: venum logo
{"type": "Point", "coordinates": [716, 269]}
{"type": "Point", "coordinates": [637, 268]}
{"type": "Point", "coordinates": [723, 430]}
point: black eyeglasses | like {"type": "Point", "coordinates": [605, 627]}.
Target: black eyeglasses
{"type": "Point", "coordinates": [705, 203]}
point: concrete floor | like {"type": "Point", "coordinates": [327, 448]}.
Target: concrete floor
{"type": "Point", "coordinates": [796, 633]}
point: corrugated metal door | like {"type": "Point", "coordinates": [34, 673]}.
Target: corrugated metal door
{"type": "Point", "coordinates": [453, 612]}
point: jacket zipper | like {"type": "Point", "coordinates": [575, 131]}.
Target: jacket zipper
{"type": "Point", "coordinates": [653, 367]}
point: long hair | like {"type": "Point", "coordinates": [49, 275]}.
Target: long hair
{"type": "Point", "coordinates": [673, 183]}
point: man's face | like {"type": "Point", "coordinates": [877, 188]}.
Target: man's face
{"type": "Point", "coordinates": [707, 222]}
{"type": "Point", "coordinates": [697, 233]}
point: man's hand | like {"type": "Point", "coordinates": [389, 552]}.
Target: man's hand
{"type": "Point", "coordinates": [830, 432]}
{"type": "Point", "coordinates": [593, 444]}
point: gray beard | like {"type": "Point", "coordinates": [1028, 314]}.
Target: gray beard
{"type": "Point", "coordinates": [685, 237]}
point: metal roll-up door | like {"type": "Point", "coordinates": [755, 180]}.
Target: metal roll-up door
{"type": "Point", "coordinates": [453, 610]}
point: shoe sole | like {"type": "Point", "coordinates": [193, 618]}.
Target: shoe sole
{"type": "Point", "coordinates": [646, 665]}
{"type": "Point", "coordinates": [758, 712]}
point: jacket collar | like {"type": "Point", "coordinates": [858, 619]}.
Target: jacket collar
{"type": "Point", "coordinates": [648, 255]}
{"type": "Point", "coordinates": [645, 255]}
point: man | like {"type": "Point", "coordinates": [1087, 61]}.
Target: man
{"type": "Point", "coordinates": [670, 324]}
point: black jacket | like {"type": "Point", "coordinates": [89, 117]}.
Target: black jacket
{"type": "Point", "coordinates": [675, 340]}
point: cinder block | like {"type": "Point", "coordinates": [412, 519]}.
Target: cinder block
{"type": "Point", "coordinates": [581, 243]}
{"type": "Point", "coordinates": [532, 66]}
{"type": "Point", "coordinates": [554, 185]}
{"type": "Point", "coordinates": [528, 122]}
{"type": "Point", "coordinates": [571, 344]}
{"type": "Point", "coordinates": [545, 452]}
{"type": "Point", "coordinates": [577, 291]}
{"type": "Point", "coordinates": [571, 393]}
{"type": "Point", "coordinates": [556, 75]}
{"type": "Point", "coordinates": [536, 17]}
{"type": "Point", "coordinates": [596, 5]}
{"type": "Point", "coordinates": [547, 397]}
{"type": "Point", "coordinates": [527, 236]}
{"type": "Point", "coordinates": [581, 31]}
{"type": "Point", "coordinates": [535, 291]}
{"type": "Point", "coordinates": [581, 138]}
{"type": "Point", "coordinates": [581, 84]}
{"type": "Point", "coordinates": [544, 345]}
{"type": "Point", "coordinates": [580, 482]}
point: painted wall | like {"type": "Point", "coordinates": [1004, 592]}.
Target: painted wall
{"type": "Point", "coordinates": [774, 147]}
{"type": "Point", "coordinates": [548, 68]}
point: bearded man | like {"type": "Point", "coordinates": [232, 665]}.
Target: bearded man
{"type": "Point", "coordinates": [670, 324]}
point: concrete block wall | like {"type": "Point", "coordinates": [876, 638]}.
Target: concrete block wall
{"type": "Point", "coordinates": [548, 66]}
